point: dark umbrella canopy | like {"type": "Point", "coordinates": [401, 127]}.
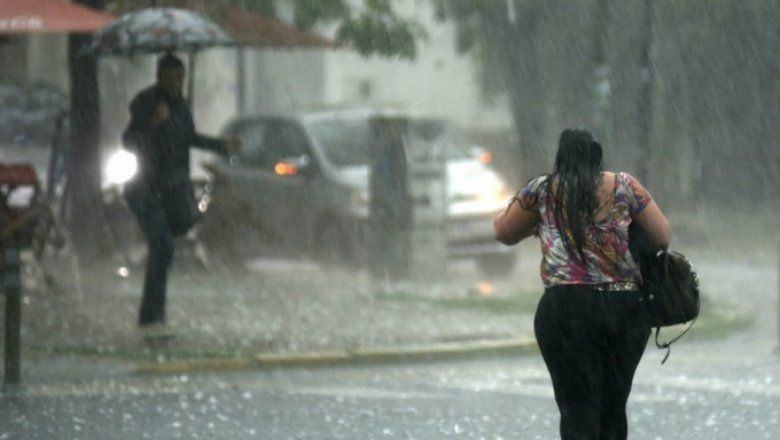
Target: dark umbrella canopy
{"type": "Point", "coordinates": [157, 30]}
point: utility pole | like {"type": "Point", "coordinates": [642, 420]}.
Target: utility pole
{"type": "Point", "coordinates": [12, 287]}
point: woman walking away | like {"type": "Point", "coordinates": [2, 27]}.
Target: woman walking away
{"type": "Point", "coordinates": [590, 323]}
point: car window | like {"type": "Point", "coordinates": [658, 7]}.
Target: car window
{"type": "Point", "coordinates": [344, 141]}
{"type": "Point", "coordinates": [284, 140]}
{"type": "Point", "coordinates": [431, 138]}
{"type": "Point", "coordinates": [252, 137]}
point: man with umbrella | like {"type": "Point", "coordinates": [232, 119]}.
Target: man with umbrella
{"type": "Point", "coordinates": [160, 133]}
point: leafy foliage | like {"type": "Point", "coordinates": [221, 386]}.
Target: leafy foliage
{"type": "Point", "coordinates": [369, 34]}
{"type": "Point", "coordinates": [371, 27]}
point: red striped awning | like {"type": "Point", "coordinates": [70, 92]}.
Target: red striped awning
{"type": "Point", "coordinates": [49, 16]}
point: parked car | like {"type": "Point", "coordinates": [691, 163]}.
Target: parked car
{"type": "Point", "coordinates": [302, 180]}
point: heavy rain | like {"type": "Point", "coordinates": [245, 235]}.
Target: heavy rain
{"type": "Point", "coordinates": [274, 219]}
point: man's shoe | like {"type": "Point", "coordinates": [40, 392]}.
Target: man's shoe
{"type": "Point", "coordinates": [156, 330]}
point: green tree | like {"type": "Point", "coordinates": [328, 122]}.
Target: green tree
{"type": "Point", "coordinates": [543, 55]}
{"type": "Point", "coordinates": [709, 101]}
{"type": "Point", "coordinates": [370, 27]}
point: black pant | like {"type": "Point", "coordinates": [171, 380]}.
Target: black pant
{"type": "Point", "coordinates": [591, 342]}
{"type": "Point", "coordinates": [148, 209]}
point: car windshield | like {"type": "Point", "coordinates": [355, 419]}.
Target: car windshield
{"type": "Point", "coordinates": [346, 141]}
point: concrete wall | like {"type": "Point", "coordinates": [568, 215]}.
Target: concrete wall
{"type": "Point", "coordinates": [280, 81]}
{"type": "Point", "coordinates": [46, 56]}
{"type": "Point", "coordinates": [33, 59]}
{"type": "Point", "coordinates": [13, 59]}
{"type": "Point", "coordinates": [438, 82]}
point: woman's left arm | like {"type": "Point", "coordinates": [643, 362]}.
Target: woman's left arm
{"type": "Point", "coordinates": [515, 223]}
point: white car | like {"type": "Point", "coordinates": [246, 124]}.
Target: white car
{"type": "Point", "coordinates": [303, 180]}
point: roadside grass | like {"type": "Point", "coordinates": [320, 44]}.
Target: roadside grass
{"type": "Point", "coordinates": [716, 319]}
{"type": "Point", "coordinates": [524, 302]}
{"type": "Point", "coordinates": [747, 234]}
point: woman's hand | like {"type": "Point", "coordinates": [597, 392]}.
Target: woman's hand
{"type": "Point", "coordinates": [232, 145]}
{"type": "Point", "coordinates": [161, 114]}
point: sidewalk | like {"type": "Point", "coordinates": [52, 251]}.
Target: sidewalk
{"type": "Point", "coordinates": [275, 314]}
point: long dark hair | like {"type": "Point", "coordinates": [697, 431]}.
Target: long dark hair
{"type": "Point", "coordinates": [573, 185]}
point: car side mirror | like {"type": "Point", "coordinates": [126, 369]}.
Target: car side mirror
{"type": "Point", "coordinates": [293, 166]}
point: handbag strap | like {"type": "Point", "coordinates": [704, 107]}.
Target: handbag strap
{"type": "Point", "coordinates": [668, 345]}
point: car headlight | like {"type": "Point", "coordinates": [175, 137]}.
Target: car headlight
{"type": "Point", "coordinates": [358, 200]}
{"type": "Point", "coordinates": [121, 167]}
{"type": "Point", "coordinates": [484, 197]}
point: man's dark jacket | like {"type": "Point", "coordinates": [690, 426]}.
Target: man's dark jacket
{"type": "Point", "coordinates": [163, 151]}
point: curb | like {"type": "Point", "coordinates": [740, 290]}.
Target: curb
{"type": "Point", "coordinates": [432, 352]}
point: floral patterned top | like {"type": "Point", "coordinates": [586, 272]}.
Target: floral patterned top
{"type": "Point", "coordinates": [607, 259]}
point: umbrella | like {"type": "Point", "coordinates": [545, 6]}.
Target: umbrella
{"type": "Point", "coordinates": [157, 30]}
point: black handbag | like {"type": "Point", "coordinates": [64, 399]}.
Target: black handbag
{"type": "Point", "coordinates": [672, 289]}
{"type": "Point", "coordinates": [670, 286]}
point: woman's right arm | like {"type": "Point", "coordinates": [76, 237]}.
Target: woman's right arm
{"type": "Point", "coordinates": [647, 213]}
{"type": "Point", "coordinates": [655, 224]}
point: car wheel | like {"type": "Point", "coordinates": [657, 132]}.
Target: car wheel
{"type": "Point", "coordinates": [497, 265]}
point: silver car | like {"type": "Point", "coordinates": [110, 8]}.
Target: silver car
{"type": "Point", "coordinates": [302, 181]}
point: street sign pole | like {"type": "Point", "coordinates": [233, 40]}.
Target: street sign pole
{"type": "Point", "coordinates": [13, 311]}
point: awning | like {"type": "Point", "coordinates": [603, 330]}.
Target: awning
{"type": "Point", "coordinates": [255, 30]}
{"type": "Point", "coordinates": [246, 27]}
{"type": "Point", "coordinates": [49, 16]}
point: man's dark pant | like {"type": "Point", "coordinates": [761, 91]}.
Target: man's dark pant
{"type": "Point", "coordinates": [591, 342]}
{"type": "Point", "coordinates": [148, 209]}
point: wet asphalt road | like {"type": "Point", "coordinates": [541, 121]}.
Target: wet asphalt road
{"type": "Point", "coordinates": [699, 394]}
{"type": "Point", "coordinates": [727, 388]}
